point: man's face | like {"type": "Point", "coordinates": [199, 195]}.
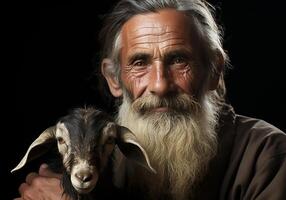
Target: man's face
{"type": "Point", "coordinates": [160, 56]}
{"type": "Point", "coordinates": [165, 103]}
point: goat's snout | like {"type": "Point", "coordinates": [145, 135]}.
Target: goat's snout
{"type": "Point", "coordinates": [84, 175]}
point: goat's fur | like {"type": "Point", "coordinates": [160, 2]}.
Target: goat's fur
{"type": "Point", "coordinates": [92, 148]}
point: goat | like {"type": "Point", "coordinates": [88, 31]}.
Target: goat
{"type": "Point", "coordinates": [89, 143]}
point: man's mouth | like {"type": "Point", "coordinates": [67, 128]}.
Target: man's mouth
{"type": "Point", "coordinates": [160, 109]}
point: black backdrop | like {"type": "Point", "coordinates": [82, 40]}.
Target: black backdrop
{"type": "Point", "coordinates": [54, 67]}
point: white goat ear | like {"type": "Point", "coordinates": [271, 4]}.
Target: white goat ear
{"type": "Point", "coordinates": [34, 151]}
{"type": "Point", "coordinates": [130, 147]}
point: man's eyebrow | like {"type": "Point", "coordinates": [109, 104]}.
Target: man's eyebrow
{"type": "Point", "coordinates": [178, 53]}
{"type": "Point", "coordinates": [168, 55]}
{"type": "Point", "coordinates": [138, 56]}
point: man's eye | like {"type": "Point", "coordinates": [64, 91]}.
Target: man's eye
{"type": "Point", "coordinates": [179, 60]}
{"type": "Point", "coordinates": [139, 63]}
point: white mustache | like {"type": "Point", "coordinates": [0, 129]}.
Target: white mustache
{"type": "Point", "coordinates": [178, 103]}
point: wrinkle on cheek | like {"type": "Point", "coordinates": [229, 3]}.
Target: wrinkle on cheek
{"type": "Point", "coordinates": [138, 86]}
{"type": "Point", "coordinates": [187, 74]}
{"type": "Point", "coordinates": [135, 85]}
{"type": "Point", "coordinates": [184, 79]}
{"type": "Point", "coordinates": [134, 81]}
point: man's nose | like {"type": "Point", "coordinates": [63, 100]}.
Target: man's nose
{"type": "Point", "coordinates": [160, 82]}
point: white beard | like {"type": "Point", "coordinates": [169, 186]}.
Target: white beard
{"type": "Point", "coordinates": [180, 145]}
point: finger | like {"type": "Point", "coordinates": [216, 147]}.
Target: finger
{"type": "Point", "coordinates": [28, 192]}
{"type": "Point", "coordinates": [23, 187]}
{"type": "Point", "coordinates": [45, 171]}
{"type": "Point", "coordinates": [30, 177]}
{"type": "Point", "coordinates": [18, 199]}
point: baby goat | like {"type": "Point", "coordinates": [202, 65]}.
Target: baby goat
{"type": "Point", "coordinates": [89, 142]}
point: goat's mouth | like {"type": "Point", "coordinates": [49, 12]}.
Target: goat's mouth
{"type": "Point", "coordinates": [83, 190]}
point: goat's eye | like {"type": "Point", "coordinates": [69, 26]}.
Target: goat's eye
{"type": "Point", "coordinates": [60, 140]}
{"type": "Point", "coordinates": [110, 140]}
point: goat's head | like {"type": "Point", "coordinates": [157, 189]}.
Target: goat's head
{"type": "Point", "coordinates": [86, 139]}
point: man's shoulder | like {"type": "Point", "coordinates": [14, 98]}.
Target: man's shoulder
{"type": "Point", "coordinates": [257, 161]}
{"type": "Point", "coordinates": [245, 129]}
{"type": "Point", "coordinates": [254, 127]}
{"type": "Point", "coordinates": [243, 133]}
{"type": "Point", "coordinates": [258, 136]}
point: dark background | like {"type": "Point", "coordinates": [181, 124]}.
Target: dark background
{"type": "Point", "coordinates": [51, 67]}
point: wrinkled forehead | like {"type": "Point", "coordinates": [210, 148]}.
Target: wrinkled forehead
{"type": "Point", "coordinates": [167, 24]}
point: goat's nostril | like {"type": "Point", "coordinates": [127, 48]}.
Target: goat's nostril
{"type": "Point", "coordinates": [87, 178]}
{"type": "Point", "coordinates": [84, 176]}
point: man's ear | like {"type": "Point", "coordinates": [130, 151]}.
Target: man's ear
{"type": "Point", "coordinates": [217, 74]}
{"type": "Point", "coordinates": [108, 71]}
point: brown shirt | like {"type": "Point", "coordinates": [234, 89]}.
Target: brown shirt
{"type": "Point", "coordinates": [251, 162]}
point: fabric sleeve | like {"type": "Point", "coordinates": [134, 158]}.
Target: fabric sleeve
{"type": "Point", "coordinates": [269, 181]}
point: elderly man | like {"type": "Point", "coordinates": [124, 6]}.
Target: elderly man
{"type": "Point", "coordinates": [164, 60]}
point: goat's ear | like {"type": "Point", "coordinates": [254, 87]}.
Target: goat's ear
{"type": "Point", "coordinates": [130, 147]}
{"type": "Point", "coordinates": [38, 147]}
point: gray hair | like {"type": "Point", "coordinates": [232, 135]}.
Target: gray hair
{"type": "Point", "coordinates": [200, 14]}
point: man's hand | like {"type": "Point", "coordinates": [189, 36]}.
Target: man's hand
{"type": "Point", "coordinates": [46, 186]}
